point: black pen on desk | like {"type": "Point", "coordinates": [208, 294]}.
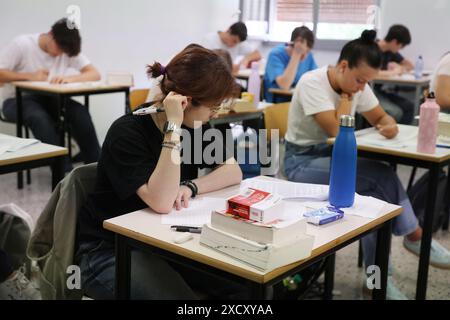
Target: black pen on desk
{"type": "Point", "coordinates": [443, 146]}
{"type": "Point", "coordinates": [186, 229]}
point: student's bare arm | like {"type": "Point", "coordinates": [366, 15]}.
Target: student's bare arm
{"type": "Point", "coordinates": [443, 91]}
{"type": "Point", "coordinates": [407, 65]}
{"type": "Point", "coordinates": [285, 80]}
{"type": "Point", "coordinates": [253, 56]}
{"type": "Point", "coordinates": [88, 73]}
{"type": "Point", "coordinates": [379, 119]}
{"type": "Point", "coordinates": [224, 176]}
{"type": "Point", "coordinates": [329, 120]}
{"type": "Point", "coordinates": [8, 76]}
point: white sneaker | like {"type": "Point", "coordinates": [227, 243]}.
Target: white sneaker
{"type": "Point", "coordinates": [18, 287]}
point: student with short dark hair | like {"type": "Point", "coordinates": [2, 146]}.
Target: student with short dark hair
{"type": "Point", "coordinates": [394, 64]}
{"type": "Point", "coordinates": [141, 166]}
{"type": "Point", "coordinates": [47, 57]}
{"type": "Point", "coordinates": [319, 100]}
{"type": "Point", "coordinates": [440, 82]}
{"type": "Point", "coordinates": [234, 41]}
{"type": "Point", "coordinates": [287, 63]}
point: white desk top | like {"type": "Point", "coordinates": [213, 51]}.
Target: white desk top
{"type": "Point", "coordinates": [403, 79]}
{"type": "Point", "coordinates": [36, 151]}
{"type": "Point", "coordinates": [68, 87]}
{"type": "Point", "coordinates": [145, 226]}
{"type": "Point", "coordinates": [406, 151]}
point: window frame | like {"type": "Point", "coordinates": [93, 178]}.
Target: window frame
{"type": "Point", "coordinates": [320, 44]}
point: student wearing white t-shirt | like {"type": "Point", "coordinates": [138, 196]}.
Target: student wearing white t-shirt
{"type": "Point", "coordinates": [320, 98]}
{"type": "Point", "coordinates": [48, 57]}
{"type": "Point", "coordinates": [440, 83]}
{"type": "Point", "coordinates": [233, 41]}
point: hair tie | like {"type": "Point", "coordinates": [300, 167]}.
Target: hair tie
{"type": "Point", "coordinates": [163, 70]}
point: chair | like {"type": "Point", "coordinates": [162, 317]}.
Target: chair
{"type": "Point", "coordinates": [138, 97]}
{"type": "Point", "coordinates": [276, 117]}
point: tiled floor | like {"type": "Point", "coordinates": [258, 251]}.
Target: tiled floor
{"type": "Point", "coordinates": [348, 278]}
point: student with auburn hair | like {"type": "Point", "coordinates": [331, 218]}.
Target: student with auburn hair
{"type": "Point", "coordinates": [287, 63]}
{"type": "Point", "coordinates": [141, 166]}
{"type": "Point", "coordinates": [319, 100]}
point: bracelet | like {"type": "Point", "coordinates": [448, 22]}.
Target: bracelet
{"type": "Point", "coordinates": [191, 185]}
{"type": "Point", "coordinates": [175, 146]}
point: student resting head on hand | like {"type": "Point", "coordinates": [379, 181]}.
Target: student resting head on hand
{"type": "Point", "coordinates": [319, 100]}
{"type": "Point", "coordinates": [141, 166]}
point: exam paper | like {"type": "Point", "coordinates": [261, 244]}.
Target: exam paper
{"type": "Point", "coordinates": [196, 215]}
{"type": "Point", "coordinates": [407, 136]}
{"type": "Point", "coordinates": [11, 144]}
{"type": "Point", "coordinates": [368, 207]}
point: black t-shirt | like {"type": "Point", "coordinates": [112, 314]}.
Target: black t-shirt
{"type": "Point", "coordinates": [129, 155]}
{"type": "Point", "coordinates": [389, 56]}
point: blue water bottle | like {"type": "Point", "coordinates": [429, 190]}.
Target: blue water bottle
{"type": "Point", "coordinates": [343, 165]}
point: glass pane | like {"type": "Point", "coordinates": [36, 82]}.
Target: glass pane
{"type": "Point", "coordinates": [299, 11]}
{"type": "Point", "coordinates": [345, 19]}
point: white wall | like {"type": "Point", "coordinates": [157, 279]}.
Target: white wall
{"type": "Point", "coordinates": [429, 23]}
{"type": "Point", "coordinates": [120, 35]}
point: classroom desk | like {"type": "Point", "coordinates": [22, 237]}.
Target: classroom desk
{"type": "Point", "coordinates": [410, 157]}
{"type": "Point", "coordinates": [143, 230]}
{"type": "Point", "coordinates": [33, 156]}
{"type": "Point", "coordinates": [62, 93]}
{"type": "Point", "coordinates": [282, 93]}
{"type": "Point", "coordinates": [233, 116]}
{"type": "Point", "coordinates": [419, 85]}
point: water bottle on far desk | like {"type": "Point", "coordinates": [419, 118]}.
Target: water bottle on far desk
{"type": "Point", "coordinates": [418, 70]}
{"type": "Point", "coordinates": [343, 165]}
{"type": "Point", "coordinates": [428, 125]}
{"type": "Point", "coordinates": [254, 83]}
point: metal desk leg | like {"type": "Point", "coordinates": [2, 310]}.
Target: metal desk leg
{"type": "Point", "coordinates": [382, 258]}
{"type": "Point", "coordinates": [127, 100]}
{"type": "Point", "coordinates": [447, 196]}
{"type": "Point", "coordinates": [425, 247]}
{"type": "Point", "coordinates": [258, 291]}
{"type": "Point", "coordinates": [123, 268]}
{"type": "Point", "coordinates": [19, 125]}
{"type": "Point", "coordinates": [329, 277]}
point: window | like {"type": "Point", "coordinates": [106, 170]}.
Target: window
{"type": "Point", "coordinates": [330, 20]}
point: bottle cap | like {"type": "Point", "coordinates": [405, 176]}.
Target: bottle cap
{"type": "Point", "coordinates": [431, 96]}
{"type": "Point", "coordinates": [347, 121]}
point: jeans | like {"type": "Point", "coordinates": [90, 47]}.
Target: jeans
{"type": "Point", "coordinates": [39, 114]}
{"type": "Point", "coordinates": [5, 266]}
{"type": "Point", "coordinates": [312, 165]}
{"type": "Point", "coordinates": [152, 277]}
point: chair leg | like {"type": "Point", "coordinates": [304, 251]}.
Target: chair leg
{"type": "Point", "coordinates": [360, 255]}
{"type": "Point", "coordinates": [411, 178]}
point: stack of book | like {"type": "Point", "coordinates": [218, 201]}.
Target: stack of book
{"type": "Point", "coordinates": [266, 245]}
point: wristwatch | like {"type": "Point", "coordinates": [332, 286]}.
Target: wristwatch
{"type": "Point", "coordinates": [170, 126]}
